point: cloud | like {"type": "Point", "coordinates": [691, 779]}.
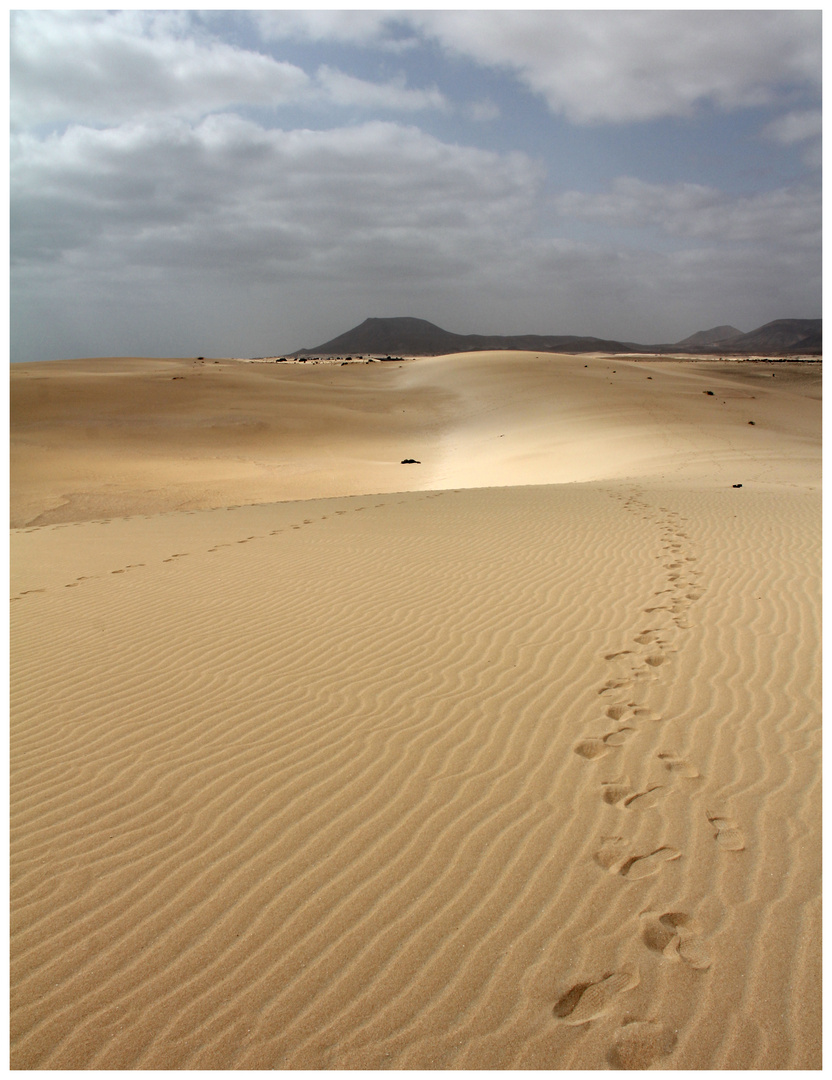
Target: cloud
{"type": "Point", "coordinates": [229, 192]}
{"type": "Point", "coordinates": [803, 126]}
{"type": "Point", "coordinates": [348, 27]}
{"type": "Point", "coordinates": [104, 68]}
{"type": "Point", "coordinates": [795, 127]}
{"type": "Point", "coordinates": [107, 68]}
{"type": "Point", "coordinates": [342, 89]}
{"type": "Point", "coordinates": [619, 66]}
{"type": "Point", "coordinates": [605, 66]}
{"type": "Point", "coordinates": [785, 216]}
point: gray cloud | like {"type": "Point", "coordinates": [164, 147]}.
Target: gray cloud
{"type": "Point", "coordinates": [787, 217]}
{"type": "Point", "coordinates": [152, 64]}
{"type": "Point", "coordinates": [171, 194]}
{"type": "Point", "coordinates": [391, 96]}
{"type": "Point", "coordinates": [61, 63]}
{"type": "Point", "coordinates": [605, 66]}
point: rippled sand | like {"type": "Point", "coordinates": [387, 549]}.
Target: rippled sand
{"type": "Point", "coordinates": [511, 764]}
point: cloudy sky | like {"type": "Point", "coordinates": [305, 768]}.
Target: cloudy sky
{"type": "Point", "coordinates": [249, 183]}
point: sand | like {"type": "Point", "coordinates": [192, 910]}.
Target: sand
{"type": "Point", "coordinates": [505, 760]}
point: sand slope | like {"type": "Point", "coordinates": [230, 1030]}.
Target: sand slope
{"type": "Point", "coordinates": [102, 438]}
{"type": "Point", "coordinates": [520, 777]}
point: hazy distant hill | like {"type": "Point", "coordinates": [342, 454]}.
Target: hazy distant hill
{"type": "Point", "coordinates": [782, 335]}
{"type": "Point", "coordinates": [710, 337]}
{"type": "Point", "coordinates": [418, 337]}
{"type": "Point", "coordinates": [790, 336]}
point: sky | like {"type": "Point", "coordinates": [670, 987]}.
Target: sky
{"type": "Point", "coordinates": [250, 183]}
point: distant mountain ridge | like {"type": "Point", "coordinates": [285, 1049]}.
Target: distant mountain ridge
{"type": "Point", "coordinates": [418, 337]}
{"type": "Point", "coordinates": [711, 337]}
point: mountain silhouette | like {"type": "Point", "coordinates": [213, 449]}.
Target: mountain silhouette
{"type": "Point", "coordinates": [417, 337]}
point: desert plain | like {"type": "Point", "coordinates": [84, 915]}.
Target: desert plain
{"type": "Point", "coordinates": [505, 758]}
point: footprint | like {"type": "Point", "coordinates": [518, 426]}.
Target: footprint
{"type": "Point", "coordinates": [585, 1001]}
{"type": "Point", "coordinates": [645, 800]}
{"type": "Point", "coordinates": [642, 866]}
{"type": "Point", "coordinates": [613, 655]}
{"type": "Point", "coordinates": [639, 1042]}
{"type": "Point", "coordinates": [615, 791]}
{"type": "Point", "coordinates": [728, 834]}
{"type": "Point", "coordinates": [655, 659]}
{"type": "Point", "coordinates": [679, 765]}
{"type": "Point", "coordinates": [645, 639]}
{"type": "Point", "coordinates": [673, 934]}
{"type": "Point", "coordinates": [595, 747]}
{"type": "Point", "coordinates": [616, 712]}
{"type": "Point", "coordinates": [615, 684]}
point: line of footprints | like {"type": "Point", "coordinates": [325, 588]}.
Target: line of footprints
{"type": "Point", "coordinates": [184, 554]}
{"type": "Point", "coordinates": [674, 935]}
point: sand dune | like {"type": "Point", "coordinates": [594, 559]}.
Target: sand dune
{"type": "Point", "coordinates": [477, 775]}
{"type": "Point", "coordinates": [105, 438]}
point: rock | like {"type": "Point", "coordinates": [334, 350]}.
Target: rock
{"type": "Point", "coordinates": [736, 485]}
{"type": "Point", "coordinates": [410, 461]}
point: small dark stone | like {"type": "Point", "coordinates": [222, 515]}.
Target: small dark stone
{"type": "Point", "coordinates": [751, 422]}
{"type": "Point", "coordinates": [200, 358]}
{"type": "Point", "coordinates": [410, 461]}
{"type": "Point", "coordinates": [710, 393]}
{"type": "Point", "coordinates": [736, 485]}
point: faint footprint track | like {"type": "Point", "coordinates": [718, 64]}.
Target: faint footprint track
{"type": "Point", "coordinates": [638, 1043]}
{"type": "Point", "coordinates": [613, 857]}
{"type": "Point", "coordinates": [585, 1001]}
{"type": "Point", "coordinates": [619, 792]}
{"type": "Point", "coordinates": [678, 765]}
{"type": "Point", "coordinates": [596, 747]}
{"type": "Point", "coordinates": [615, 684]}
{"type": "Point", "coordinates": [728, 833]}
{"type": "Point", "coordinates": [674, 935]}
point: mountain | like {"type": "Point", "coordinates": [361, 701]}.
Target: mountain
{"type": "Point", "coordinates": [709, 337]}
{"type": "Point", "coordinates": [418, 337]}
{"type": "Point", "coordinates": [783, 336]}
